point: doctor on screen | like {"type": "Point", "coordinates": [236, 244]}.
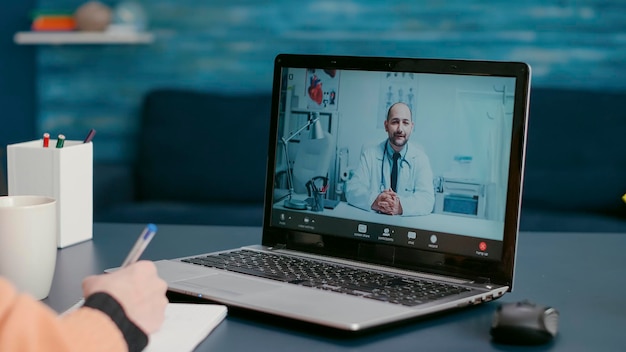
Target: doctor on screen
{"type": "Point", "coordinates": [394, 177]}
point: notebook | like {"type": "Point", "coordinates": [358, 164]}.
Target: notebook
{"type": "Point", "coordinates": [185, 326]}
{"type": "Point", "coordinates": [431, 230]}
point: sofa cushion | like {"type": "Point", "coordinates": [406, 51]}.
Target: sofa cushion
{"type": "Point", "coordinates": [576, 158]}
{"type": "Point", "coordinates": [202, 147]}
{"type": "Point", "coordinates": [217, 213]}
{"type": "Point", "coordinates": [554, 220]}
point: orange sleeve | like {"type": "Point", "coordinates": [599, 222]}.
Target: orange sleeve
{"type": "Point", "coordinates": [28, 325]}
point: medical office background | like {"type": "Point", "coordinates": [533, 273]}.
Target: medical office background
{"type": "Point", "coordinates": [229, 46]}
{"type": "Point", "coordinates": [462, 123]}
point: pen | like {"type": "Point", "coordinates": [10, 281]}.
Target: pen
{"type": "Point", "coordinates": [140, 245]}
{"type": "Point", "coordinates": [90, 135]}
{"type": "Point", "coordinates": [60, 141]}
{"type": "Point", "coordinates": [46, 139]}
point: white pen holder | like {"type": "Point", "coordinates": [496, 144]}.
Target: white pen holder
{"type": "Point", "coordinates": [65, 174]}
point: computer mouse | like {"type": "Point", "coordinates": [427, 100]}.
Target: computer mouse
{"type": "Point", "coordinates": [524, 323]}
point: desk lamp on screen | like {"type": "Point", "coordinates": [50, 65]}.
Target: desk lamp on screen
{"type": "Point", "coordinates": [316, 132]}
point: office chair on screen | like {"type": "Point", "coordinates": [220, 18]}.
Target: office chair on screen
{"type": "Point", "coordinates": [313, 159]}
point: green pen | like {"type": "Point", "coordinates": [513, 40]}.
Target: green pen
{"type": "Point", "coordinates": [60, 141]}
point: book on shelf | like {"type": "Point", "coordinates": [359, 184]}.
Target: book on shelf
{"type": "Point", "coordinates": [53, 21]}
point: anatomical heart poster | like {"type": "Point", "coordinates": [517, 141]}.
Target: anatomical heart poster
{"type": "Point", "coordinates": [322, 89]}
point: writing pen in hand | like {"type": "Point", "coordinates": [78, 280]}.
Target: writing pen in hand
{"type": "Point", "coordinates": [140, 245]}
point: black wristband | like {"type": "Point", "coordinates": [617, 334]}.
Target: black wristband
{"type": "Point", "coordinates": [136, 339]}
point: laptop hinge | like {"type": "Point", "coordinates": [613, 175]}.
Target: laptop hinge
{"type": "Point", "coordinates": [483, 280]}
{"type": "Point", "coordinates": [278, 246]}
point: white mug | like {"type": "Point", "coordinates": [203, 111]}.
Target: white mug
{"type": "Point", "coordinates": [28, 243]}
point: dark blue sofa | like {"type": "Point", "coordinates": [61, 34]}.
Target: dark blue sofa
{"type": "Point", "coordinates": [201, 160]}
{"type": "Point", "coordinates": [575, 162]}
{"type": "Point", "coordinates": [575, 165]}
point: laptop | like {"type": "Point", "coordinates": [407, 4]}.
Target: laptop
{"type": "Point", "coordinates": [333, 254]}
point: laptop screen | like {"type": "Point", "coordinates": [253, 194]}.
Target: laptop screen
{"type": "Point", "coordinates": [400, 161]}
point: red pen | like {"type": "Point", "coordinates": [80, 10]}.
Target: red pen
{"type": "Point", "coordinates": [46, 139]}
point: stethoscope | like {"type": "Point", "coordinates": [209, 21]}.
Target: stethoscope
{"type": "Point", "coordinates": [382, 166]}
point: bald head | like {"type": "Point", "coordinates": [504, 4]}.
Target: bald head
{"type": "Point", "coordinates": [399, 125]}
{"type": "Point", "coordinates": [399, 109]}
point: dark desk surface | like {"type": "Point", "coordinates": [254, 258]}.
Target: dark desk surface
{"type": "Point", "coordinates": [582, 275]}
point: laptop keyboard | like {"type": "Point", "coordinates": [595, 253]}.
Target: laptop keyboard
{"type": "Point", "coordinates": [375, 285]}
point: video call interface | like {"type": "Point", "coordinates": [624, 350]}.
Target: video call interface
{"type": "Point", "coordinates": [443, 191]}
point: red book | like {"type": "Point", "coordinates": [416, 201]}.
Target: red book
{"type": "Point", "coordinates": [53, 23]}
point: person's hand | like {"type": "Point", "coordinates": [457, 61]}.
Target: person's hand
{"type": "Point", "coordinates": [388, 203]}
{"type": "Point", "coordinates": [139, 291]}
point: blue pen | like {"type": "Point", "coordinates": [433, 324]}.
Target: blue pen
{"type": "Point", "coordinates": [140, 245]}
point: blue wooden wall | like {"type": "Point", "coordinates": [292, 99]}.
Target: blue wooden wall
{"type": "Point", "coordinates": [17, 77]}
{"type": "Point", "coordinates": [229, 45]}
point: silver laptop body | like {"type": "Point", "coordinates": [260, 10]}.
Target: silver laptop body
{"type": "Point", "coordinates": [470, 120]}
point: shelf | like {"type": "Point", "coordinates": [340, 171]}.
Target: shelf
{"type": "Point", "coordinates": [60, 38]}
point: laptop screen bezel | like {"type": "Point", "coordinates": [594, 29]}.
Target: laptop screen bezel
{"type": "Point", "coordinates": [498, 272]}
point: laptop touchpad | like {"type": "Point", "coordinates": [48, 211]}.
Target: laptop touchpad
{"type": "Point", "coordinates": [221, 284]}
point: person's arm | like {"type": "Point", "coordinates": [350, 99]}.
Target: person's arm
{"type": "Point", "coordinates": [28, 325]}
{"type": "Point", "coordinates": [120, 311]}
{"type": "Point", "coordinates": [139, 291]}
